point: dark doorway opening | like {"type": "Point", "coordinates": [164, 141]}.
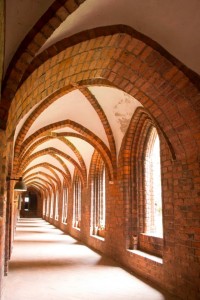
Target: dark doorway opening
{"type": "Point", "coordinates": [29, 205]}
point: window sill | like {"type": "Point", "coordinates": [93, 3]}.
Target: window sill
{"type": "Point", "coordinates": [77, 225]}
{"type": "Point", "coordinates": [77, 228]}
{"type": "Point", "coordinates": [153, 235]}
{"type": "Point", "coordinates": [98, 237]}
{"type": "Point", "coordinates": [101, 233]}
{"type": "Point", "coordinates": [147, 256]}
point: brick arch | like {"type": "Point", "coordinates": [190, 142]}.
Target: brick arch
{"type": "Point", "coordinates": [102, 116]}
{"type": "Point", "coordinates": [40, 188]}
{"type": "Point", "coordinates": [76, 151]}
{"type": "Point", "coordinates": [87, 35]}
{"type": "Point", "coordinates": [31, 189]}
{"type": "Point", "coordinates": [46, 182]}
{"type": "Point", "coordinates": [142, 131]}
{"type": "Point", "coordinates": [49, 177]}
{"type": "Point", "coordinates": [34, 40]}
{"type": "Point", "coordinates": [36, 188]}
{"type": "Point", "coordinates": [63, 165]}
{"type": "Point", "coordinates": [33, 116]}
{"type": "Point", "coordinates": [66, 174]}
{"type": "Point", "coordinates": [44, 189]}
{"type": "Point", "coordinates": [50, 151]}
{"type": "Point", "coordinates": [55, 174]}
{"type": "Point", "coordinates": [75, 176]}
{"type": "Point", "coordinates": [49, 167]}
{"type": "Point", "coordinates": [134, 132]}
{"type": "Point", "coordinates": [94, 163]}
{"type": "Point", "coordinates": [131, 170]}
{"type": "Point", "coordinates": [108, 163]}
{"type": "Point", "coordinates": [135, 137]}
{"type": "Point", "coordinates": [91, 99]}
{"type": "Point", "coordinates": [25, 62]}
{"type": "Point", "coordinates": [26, 153]}
{"type": "Point", "coordinates": [165, 91]}
{"type": "Point", "coordinates": [85, 134]}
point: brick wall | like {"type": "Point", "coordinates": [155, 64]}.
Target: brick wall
{"type": "Point", "coordinates": [2, 207]}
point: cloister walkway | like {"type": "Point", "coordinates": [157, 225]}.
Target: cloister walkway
{"type": "Point", "coordinates": [47, 264]}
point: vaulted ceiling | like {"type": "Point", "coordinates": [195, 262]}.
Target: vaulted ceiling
{"type": "Point", "coordinates": [53, 140]}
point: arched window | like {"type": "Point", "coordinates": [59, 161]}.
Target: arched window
{"type": "Point", "coordinates": [98, 201]}
{"type": "Point", "coordinates": [153, 196]}
{"type": "Point", "coordinates": [77, 202]}
{"type": "Point", "coordinates": [143, 190]}
{"type": "Point", "coordinates": [65, 205]}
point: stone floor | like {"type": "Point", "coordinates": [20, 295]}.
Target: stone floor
{"type": "Point", "coordinates": [47, 264]}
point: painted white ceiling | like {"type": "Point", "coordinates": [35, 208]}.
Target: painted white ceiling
{"type": "Point", "coordinates": [86, 150]}
{"type": "Point", "coordinates": [118, 107]}
{"type": "Point", "coordinates": [69, 165]}
{"type": "Point", "coordinates": [45, 158]}
{"type": "Point", "coordinates": [57, 144]}
{"type": "Point", "coordinates": [40, 169]}
{"type": "Point", "coordinates": [174, 24]}
{"type": "Point", "coordinates": [73, 106]}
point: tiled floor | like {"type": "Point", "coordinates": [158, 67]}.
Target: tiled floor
{"type": "Point", "coordinates": [47, 264]}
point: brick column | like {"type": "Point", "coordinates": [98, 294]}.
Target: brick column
{"type": "Point", "coordinates": [2, 208]}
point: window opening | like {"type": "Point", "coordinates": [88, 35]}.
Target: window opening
{"type": "Point", "coordinates": [98, 202]}
{"type": "Point", "coordinates": [26, 203]}
{"type": "Point", "coordinates": [77, 202]}
{"type": "Point", "coordinates": [56, 205]}
{"type": "Point", "coordinates": [153, 195]}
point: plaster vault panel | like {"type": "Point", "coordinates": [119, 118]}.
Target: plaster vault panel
{"type": "Point", "coordinates": [40, 169]}
{"type": "Point", "coordinates": [45, 170]}
{"type": "Point", "coordinates": [73, 106]}
{"type": "Point", "coordinates": [45, 158]}
{"type": "Point", "coordinates": [85, 149]}
{"type": "Point", "coordinates": [172, 24]}
{"type": "Point", "coordinates": [69, 165]}
{"type": "Point", "coordinates": [59, 145]}
{"type": "Point", "coordinates": [119, 108]}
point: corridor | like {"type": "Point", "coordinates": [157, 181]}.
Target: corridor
{"type": "Point", "coordinates": [47, 264]}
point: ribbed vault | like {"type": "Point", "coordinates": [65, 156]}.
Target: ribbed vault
{"type": "Point", "coordinates": [61, 135]}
